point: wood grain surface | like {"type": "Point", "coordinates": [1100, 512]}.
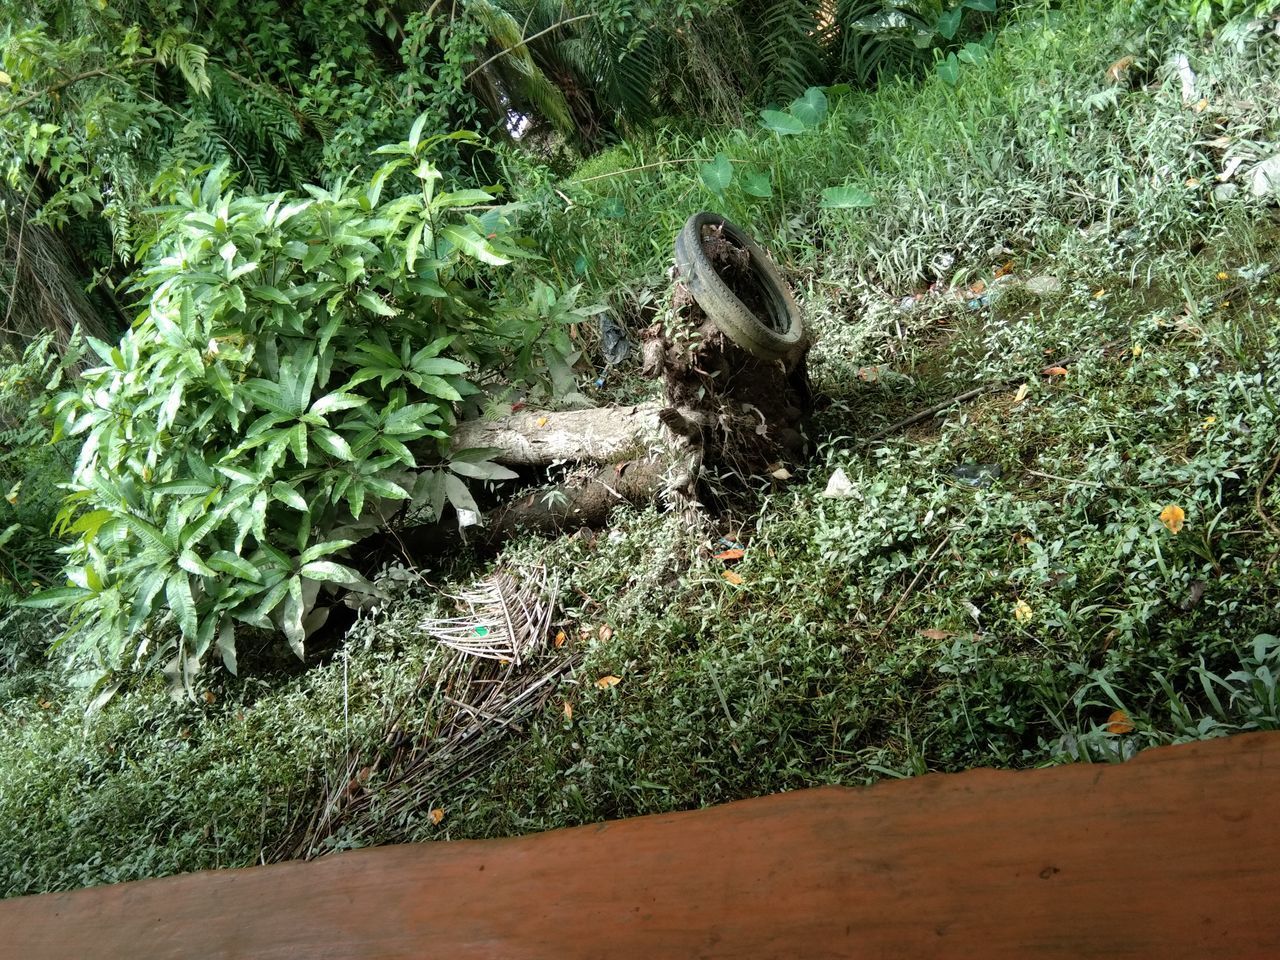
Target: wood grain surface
{"type": "Point", "coordinates": [1174, 854]}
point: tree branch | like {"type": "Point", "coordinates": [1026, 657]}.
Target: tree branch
{"type": "Point", "coordinates": [63, 84]}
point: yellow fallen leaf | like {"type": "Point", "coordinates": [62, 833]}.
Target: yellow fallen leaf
{"type": "Point", "coordinates": [1137, 350]}
{"type": "Point", "coordinates": [605, 633]}
{"type": "Point", "coordinates": [1022, 611]}
{"type": "Point", "coordinates": [5, 79]}
{"type": "Point", "coordinates": [1021, 394]}
{"type": "Point", "coordinates": [1173, 516]}
{"type": "Point", "coordinates": [12, 495]}
{"type": "Point", "coordinates": [604, 683]}
{"type": "Point", "coordinates": [1201, 105]}
{"type": "Point", "coordinates": [1208, 422]}
{"type": "Point", "coordinates": [1099, 293]}
{"type": "Point", "coordinates": [732, 576]}
{"type": "Point", "coordinates": [436, 815]}
{"type": "Point", "coordinates": [542, 421]}
{"type": "Point", "coordinates": [568, 710]}
{"type": "Point", "coordinates": [1192, 182]}
{"type": "Point", "coordinates": [1223, 275]}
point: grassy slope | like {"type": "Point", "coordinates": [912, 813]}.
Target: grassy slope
{"type": "Point", "coordinates": [793, 677]}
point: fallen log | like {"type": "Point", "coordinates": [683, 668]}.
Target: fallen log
{"type": "Point", "coordinates": [539, 438]}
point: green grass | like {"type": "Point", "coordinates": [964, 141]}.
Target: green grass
{"type": "Point", "coordinates": [920, 625]}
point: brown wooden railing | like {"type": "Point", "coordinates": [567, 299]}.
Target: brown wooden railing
{"type": "Point", "coordinates": [1174, 854]}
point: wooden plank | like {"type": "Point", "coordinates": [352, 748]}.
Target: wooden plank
{"type": "Point", "coordinates": [1175, 854]}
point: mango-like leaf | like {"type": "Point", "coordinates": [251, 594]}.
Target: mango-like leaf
{"type": "Point", "coordinates": [332, 444]}
{"type": "Point", "coordinates": [56, 597]}
{"type": "Point", "coordinates": [484, 470]}
{"type": "Point", "coordinates": [177, 590]}
{"type": "Point", "coordinates": [327, 571]}
{"type": "Point", "coordinates": [467, 240]}
{"type": "Point", "coordinates": [227, 645]}
{"type": "Point", "coordinates": [224, 561]}
{"type": "Point", "coordinates": [288, 496]}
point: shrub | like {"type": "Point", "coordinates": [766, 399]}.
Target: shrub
{"type": "Point", "coordinates": [297, 360]}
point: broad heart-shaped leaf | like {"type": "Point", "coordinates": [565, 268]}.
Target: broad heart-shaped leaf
{"type": "Point", "coordinates": [757, 184]}
{"type": "Point", "coordinates": [783, 124]}
{"type": "Point", "coordinates": [974, 53]}
{"type": "Point", "coordinates": [845, 198]}
{"type": "Point", "coordinates": [717, 174]}
{"type": "Point", "coordinates": [949, 22]}
{"type": "Point", "coordinates": [811, 108]}
{"type": "Point", "coordinates": [983, 6]}
{"type": "Point", "coordinates": [949, 70]}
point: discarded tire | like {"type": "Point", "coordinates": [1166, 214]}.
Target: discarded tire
{"type": "Point", "coordinates": [774, 329]}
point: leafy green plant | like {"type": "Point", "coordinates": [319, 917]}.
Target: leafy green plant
{"type": "Point", "coordinates": [297, 360]}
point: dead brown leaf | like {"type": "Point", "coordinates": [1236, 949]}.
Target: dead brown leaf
{"type": "Point", "coordinates": [935, 634]}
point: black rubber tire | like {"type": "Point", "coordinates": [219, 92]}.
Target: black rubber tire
{"type": "Point", "coordinates": [780, 335]}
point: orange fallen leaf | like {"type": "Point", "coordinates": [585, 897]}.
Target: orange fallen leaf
{"type": "Point", "coordinates": [978, 288]}
{"type": "Point", "coordinates": [1005, 270]}
{"type": "Point", "coordinates": [1116, 72]}
{"type": "Point", "coordinates": [1173, 516]}
{"type": "Point", "coordinates": [210, 697]}
{"type": "Point", "coordinates": [604, 683]}
{"type": "Point", "coordinates": [436, 815]}
{"type": "Point", "coordinates": [1119, 722]}
{"type": "Point", "coordinates": [1054, 371]}
{"type": "Point", "coordinates": [933, 634]}
{"type": "Point", "coordinates": [732, 576]}
{"type": "Point", "coordinates": [561, 639]}
{"type": "Point", "coordinates": [734, 554]}
{"type": "Point", "coordinates": [1099, 293]}
{"type": "Point", "coordinates": [568, 710]}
